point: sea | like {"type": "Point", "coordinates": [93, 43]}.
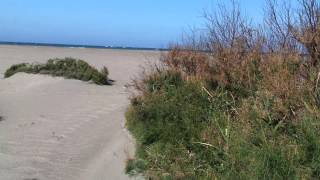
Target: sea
{"type": "Point", "coordinates": [80, 46]}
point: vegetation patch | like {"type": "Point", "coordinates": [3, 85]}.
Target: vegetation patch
{"type": "Point", "coordinates": [239, 106]}
{"type": "Point", "coordinates": [187, 130]}
{"type": "Point", "coordinates": [68, 67]}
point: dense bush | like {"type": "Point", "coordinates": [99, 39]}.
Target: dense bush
{"type": "Point", "coordinates": [233, 110]}
{"type": "Point", "coordinates": [69, 68]}
{"type": "Point", "coordinates": [187, 130]}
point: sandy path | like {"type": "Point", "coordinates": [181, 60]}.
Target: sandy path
{"type": "Point", "coordinates": [65, 129]}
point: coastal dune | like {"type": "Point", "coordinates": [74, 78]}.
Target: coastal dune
{"type": "Point", "coordinates": [55, 128]}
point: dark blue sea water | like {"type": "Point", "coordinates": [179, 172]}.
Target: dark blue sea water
{"type": "Point", "coordinates": [79, 46]}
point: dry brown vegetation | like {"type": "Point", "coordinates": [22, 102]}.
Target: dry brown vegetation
{"type": "Point", "coordinates": [236, 102]}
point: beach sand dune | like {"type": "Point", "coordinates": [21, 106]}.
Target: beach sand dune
{"type": "Point", "coordinates": [55, 128]}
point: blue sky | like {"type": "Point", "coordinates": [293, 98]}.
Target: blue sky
{"type": "Point", "coordinates": [138, 23]}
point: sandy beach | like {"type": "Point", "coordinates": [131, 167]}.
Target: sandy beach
{"type": "Point", "coordinates": [59, 129]}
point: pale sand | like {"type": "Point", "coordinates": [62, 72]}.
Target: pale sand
{"type": "Point", "coordinates": [62, 129]}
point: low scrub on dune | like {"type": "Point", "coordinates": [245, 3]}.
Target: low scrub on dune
{"type": "Point", "coordinates": [233, 110]}
{"type": "Point", "coordinates": [68, 67]}
{"type": "Point", "coordinates": [188, 129]}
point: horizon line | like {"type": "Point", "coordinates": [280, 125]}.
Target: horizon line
{"type": "Point", "coordinates": [80, 46]}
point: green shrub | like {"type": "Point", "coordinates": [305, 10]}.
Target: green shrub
{"type": "Point", "coordinates": [69, 68]}
{"type": "Point", "coordinates": [135, 166]}
{"type": "Point", "coordinates": [186, 130]}
{"type": "Point", "coordinates": [15, 68]}
{"type": "Point", "coordinates": [234, 102]}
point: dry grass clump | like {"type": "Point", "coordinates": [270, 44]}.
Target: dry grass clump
{"type": "Point", "coordinates": [190, 63]}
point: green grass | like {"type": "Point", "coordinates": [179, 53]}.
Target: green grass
{"type": "Point", "coordinates": [185, 130]}
{"type": "Point", "coordinates": [68, 67]}
{"type": "Point", "coordinates": [233, 101]}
